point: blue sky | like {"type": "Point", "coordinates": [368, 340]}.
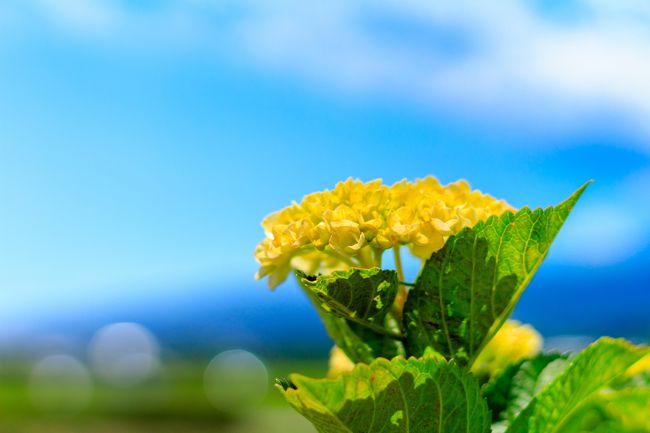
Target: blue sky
{"type": "Point", "coordinates": [142, 142]}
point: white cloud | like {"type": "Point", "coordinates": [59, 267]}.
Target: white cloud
{"type": "Point", "coordinates": [86, 16]}
{"type": "Point", "coordinates": [522, 63]}
{"type": "Point", "coordinates": [507, 62]}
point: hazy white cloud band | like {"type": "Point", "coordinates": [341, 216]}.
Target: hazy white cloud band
{"type": "Point", "coordinates": [509, 61]}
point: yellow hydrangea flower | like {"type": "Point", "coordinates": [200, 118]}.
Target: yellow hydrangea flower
{"type": "Point", "coordinates": [355, 222]}
{"type": "Point", "coordinates": [512, 343]}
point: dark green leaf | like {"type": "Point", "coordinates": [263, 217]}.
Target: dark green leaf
{"type": "Point", "coordinates": [425, 395]}
{"type": "Point", "coordinates": [354, 307]}
{"type": "Point", "coordinates": [467, 290]}
{"type": "Point", "coordinates": [360, 344]}
{"type": "Point", "coordinates": [364, 296]}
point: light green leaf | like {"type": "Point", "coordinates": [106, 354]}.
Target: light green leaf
{"type": "Point", "coordinates": [622, 411]}
{"type": "Point", "coordinates": [591, 370]}
{"type": "Point", "coordinates": [640, 379]}
{"type": "Point", "coordinates": [354, 307]}
{"type": "Point", "coordinates": [426, 395]}
{"type": "Point", "coordinates": [512, 390]}
{"type": "Point", "coordinates": [629, 409]}
{"type": "Point", "coordinates": [468, 289]}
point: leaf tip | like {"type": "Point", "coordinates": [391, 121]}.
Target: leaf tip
{"type": "Point", "coordinates": [284, 383]}
{"type": "Point", "coordinates": [573, 198]}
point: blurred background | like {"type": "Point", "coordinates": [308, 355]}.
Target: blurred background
{"type": "Point", "coordinates": [141, 142]}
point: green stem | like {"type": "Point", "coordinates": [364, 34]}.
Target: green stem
{"type": "Point", "coordinates": [366, 257]}
{"type": "Point", "coordinates": [378, 252]}
{"type": "Point", "coordinates": [376, 328]}
{"type": "Point", "coordinates": [348, 261]}
{"type": "Point", "coordinates": [402, 292]}
{"type": "Point", "coordinates": [398, 263]}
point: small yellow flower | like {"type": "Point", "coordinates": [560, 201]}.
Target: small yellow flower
{"type": "Point", "coordinates": [403, 224]}
{"type": "Point", "coordinates": [346, 236]}
{"type": "Point", "coordinates": [355, 222]}
{"type": "Point", "coordinates": [339, 362]}
{"type": "Point", "coordinates": [641, 366]}
{"type": "Point", "coordinates": [428, 240]}
{"type": "Point", "coordinates": [512, 343]}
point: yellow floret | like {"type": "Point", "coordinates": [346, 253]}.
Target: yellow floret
{"type": "Point", "coordinates": [355, 222]}
{"type": "Point", "coordinates": [339, 362]}
{"type": "Point", "coordinates": [642, 366]}
{"type": "Point", "coordinates": [512, 343]}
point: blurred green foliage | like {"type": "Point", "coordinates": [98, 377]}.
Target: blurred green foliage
{"type": "Point", "coordinates": [172, 402]}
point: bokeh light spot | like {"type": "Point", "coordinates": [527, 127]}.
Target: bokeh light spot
{"type": "Point", "coordinates": [124, 354]}
{"type": "Point", "coordinates": [236, 381]}
{"type": "Point", "coordinates": [60, 384]}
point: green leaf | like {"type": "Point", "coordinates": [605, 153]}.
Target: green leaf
{"type": "Point", "coordinates": [628, 409]}
{"type": "Point", "coordinates": [360, 344]}
{"type": "Point", "coordinates": [510, 392]}
{"type": "Point", "coordinates": [468, 289]}
{"type": "Point", "coordinates": [592, 370]}
{"type": "Point", "coordinates": [426, 395]}
{"type": "Point", "coordinates": [640, 379]}
{"type": "Point", "coordinates": [622, 411]}
{"type": "Point", "coordinates": [354, 307]}
{"type": "Point", "coordinates": [364, 296]}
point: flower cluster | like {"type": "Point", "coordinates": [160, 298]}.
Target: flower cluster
{"type": "Point", "coordinates": [355, 222]}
